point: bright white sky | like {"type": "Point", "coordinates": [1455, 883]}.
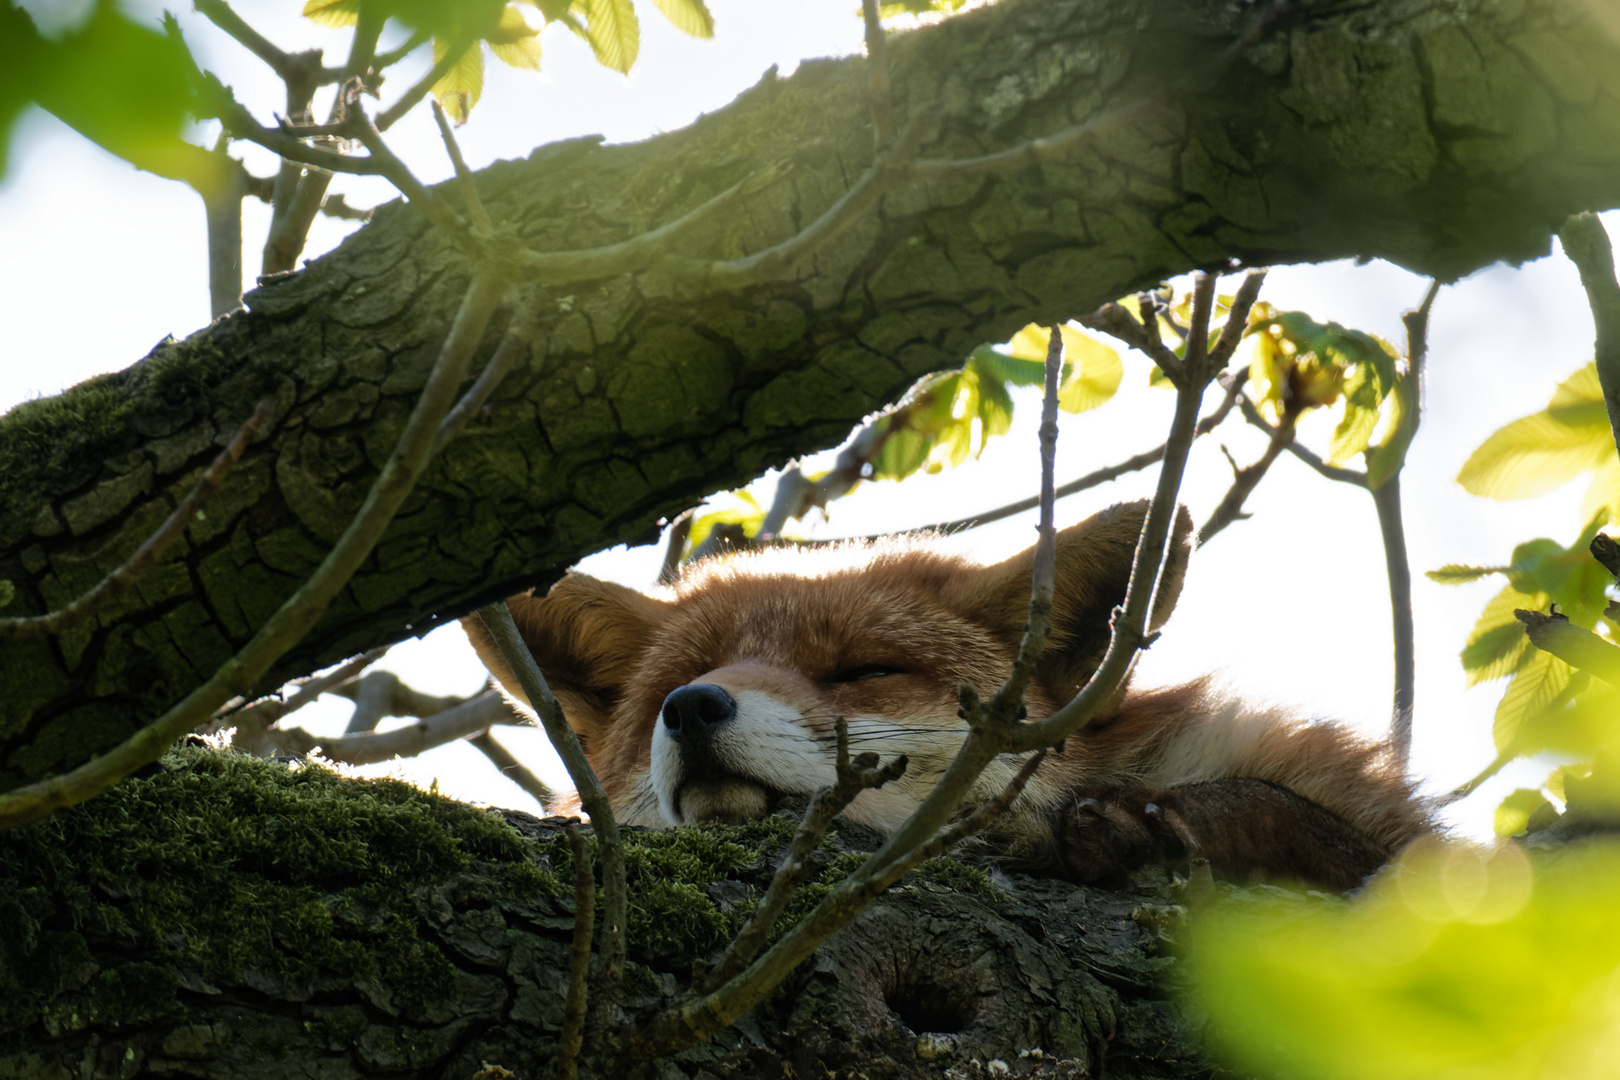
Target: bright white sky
{"type": "Point", "coordinates": [101, 262]}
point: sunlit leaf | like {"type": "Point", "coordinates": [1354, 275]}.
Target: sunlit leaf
{"type": "Point", "coordinates": [903, 453]}
{"type": "Point", "coordinates": [1584, 719]}
{"type": "Point", "coordinates": [1540, 679]}
{"type": "Point", "coordinates": [1603, 493]}
{"type": "Point", "coordinates": [1031, 343]}
{"type": "Point", "coordinates": [1467, 963]}
{"type": "Point", "coordinates": [995, 410]}
{"type": "Point", "coordinates": [614, 33]}
{"type": "Point", "coordinates": [1398, 414]}
{"type": "Point", "coordinates": [514, 42]}
{"type": "Point", "coordinates": [1497, 643]}
{"type": "Point", "coordinates": [1009, 369]}
{"type": "Point", "coordinates": [1098, 372]}
{"type": "Point", "coordinates": [690, 17]}
{"type": "Point", "coordinates": [1456, 574]}
{"type": "Point", "coordinates": [743, 510]}
{"type": "Point", "coordinates": [332, 13]}
{"type": "Point", "coordinates": [1566, 576]}
{"type": "Point", "coordinates": [1355, 429]}
{"type": "Point", "coordinates": [1513, 812]}
{"type": "Point", "coordinates": [459, 88]}
{"type": "Point", "coordinates": [1543, 451]}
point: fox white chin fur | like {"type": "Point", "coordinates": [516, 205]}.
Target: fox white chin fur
{"type": "Point", "coordinates": [715, 700]}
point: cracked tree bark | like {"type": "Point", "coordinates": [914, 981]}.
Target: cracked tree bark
{"type": "Point", "coordinates": [1440, 135]}
{"type": "Point", "coordinates": [449, 969]}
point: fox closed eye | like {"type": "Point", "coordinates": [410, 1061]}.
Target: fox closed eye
{"type": "Point", "coordinates": [863, 673]}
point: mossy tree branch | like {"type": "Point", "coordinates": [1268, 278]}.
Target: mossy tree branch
{"type": "Point", "coordinates": [637, 397]}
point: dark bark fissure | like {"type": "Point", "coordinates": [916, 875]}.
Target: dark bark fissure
{"type": "Point", "coordinates": [1442, 136]}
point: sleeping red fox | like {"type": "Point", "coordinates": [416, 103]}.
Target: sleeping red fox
{"type": "Point", "coordinates": [715, 703]}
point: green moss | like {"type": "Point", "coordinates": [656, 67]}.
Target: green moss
{"type": "Point", "coordinates": [57, 438]}
{"type": "Point", "coordinates": [233, 865]}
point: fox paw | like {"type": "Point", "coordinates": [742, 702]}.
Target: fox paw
{"type": "Point", "coordinates": [1102, 837]}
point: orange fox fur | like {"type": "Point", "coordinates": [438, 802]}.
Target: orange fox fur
{"type": "Point", "coordinates": [713, 701]}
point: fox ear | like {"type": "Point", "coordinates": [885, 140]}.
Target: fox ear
{"type": "Point", "coordinates": [1093, 568]}
{"type": "Point", "coordinates": [587, 636]}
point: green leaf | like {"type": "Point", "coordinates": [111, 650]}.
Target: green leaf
{"type": "Point", "coordinates": [1098, 372]}
{"type": "Point", "coordinates": [690, 17]}
{"type": "Point", "coordinates": [513, 41]}
{"type": "Point", "coordinates": [1539, 680]}
{"type": "Point", "coordinates": [614, 33]}
{"type": "Point", "coordinates": [1602, 499]}
{"type": "Point", "coordinates": [1513, 813]}
{"type": "Point", "coordinates": [8, 593]}
{"type": "Point", "coordinates": [1566, 576]}
{"type": "Point", "coordinates": [1497, 644]}
{"type": "Point", "coordinates": [745, 511]}
{"type": "Point", "coordinates": [462, 84]}
{"type": "Point", "coordinates": [1399, 412]}
{"type": "Point", "coordinates": [1361, 402]}
{"type": "Point", "coordinates": [903, 452]}
{"type": "Point", "coordinates": [1031, 344]}
{"type": "Point", "coordinates": [1457, 574]}
{"type": "Point", "coordinates": [332, 13]}
{"type": "Point", "coordinates": [1008, 369]}
{"type": "Point", "coordinates": [1545, 450]}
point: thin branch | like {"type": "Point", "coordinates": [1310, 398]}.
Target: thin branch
{"type": "Point", "coordinates": [1587, 245]}
{"type": "Point", "coordinates": [111, 587]}
{"type": "Point", "coordinates": [513, 769]}
{"type": "Point", "coordinates": [1462, 791]}
{"type": "Point", "coordinates": [382, 693]}
{"type": "Point", "coordinates": [419, 90]}
{"type": "Point", "coordinates": [393, 56]}
{"type": "Point", "coordinates": [497, 620]}
{"type": "Point", "coordinates": [851, 778]}
{"type": "Point", "coordinates": [412, 740]}
{"type": "Point", "coordinates": [334, 206]}
{"type": "Point", "coordinates": [1114, 320]}
{"type": "Point", "coordinates": [299, 613]}
{"type": "Point", "coordinates": [1303, 453]}
{"type": "Point", "coordinates": [469, 187]}
{"type": "Point", "coordinates": [1392, 528]}
{"type": "Point", "coordinates": [986, 815]}
{"type": "Point", "coordinates": [877, 62]}
{"type": "Point", "coordinates": [1245, 480]}
{"type": "Point", "coordinates": [674, 544]}
{"type": "Point", "coordinates": [1575, 646]}
{"type": "Point", "coordinates": [303, 68]}
{"type": "Point", "coordinates": [520, 334]}
{"type": "Point", "coordinates": [251, 722]}
{"type": "Point", "coordinates": [579, 956]}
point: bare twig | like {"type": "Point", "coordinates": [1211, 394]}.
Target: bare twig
{"type": "Point", "coordinates": [382, 693]}
{"type": "Point", "coordinates": [1303, 453]}
{"type": "Point", "coordinates": [1392, 528]}
{"type": "Point", "coordinates": [497, 620]}
{"type": "Point", "coordinates": [1245, 480]}
{"type": "Point", "coordinates": [238, 675]}
{"type": "Point", "coordinates": [513, 769]}
{"type": "Point", "coordinates": [335, 206]}
{"type": "Point", "coordinates": [303, 68]}
{"type": "Point", "coordinates": [579, 956]}
{"type": "Point", "coordinates": [114, 584]}
{"type": "Point", "coordinates": [251, 722]}
{"type": "Point", "coordinates": [1587, 245]}
{"type": "Point", "coordinates": [412, 740]}
{"type": "Point", "coordinates": [1462, 791]}
{"type": "Point", "coordinates": [674, 544]}
{"type": "Point", "coordinates": [877, 61]}
{"type": "Point", "coordinates": [419, 90]}
{"type": "Point", "coordinates": [469, 187]}
{"type": "Point", "coordinates": [520, 333]}
{"type": "Point", "coordinates": [1114, 320]}
{"type": "Point", "coordinates": [852, 778]}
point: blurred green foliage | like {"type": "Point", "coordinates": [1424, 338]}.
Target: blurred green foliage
{"type": "Point", "coordinates": [1459, 962]}
{"type": "Point", "coordinates": [122, 84]}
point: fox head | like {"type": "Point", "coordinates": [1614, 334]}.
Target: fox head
{"type": "Point", "coordinates": [719, 698]}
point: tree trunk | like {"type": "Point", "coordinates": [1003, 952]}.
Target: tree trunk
{"type": "Point", "coordinates": [229, 917]}
{"type": "Point", "coordinates": [1439, 135]}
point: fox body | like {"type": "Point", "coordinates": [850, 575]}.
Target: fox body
{"type": "Point", "coordinates": [718, 700]}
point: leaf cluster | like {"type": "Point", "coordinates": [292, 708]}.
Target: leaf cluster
{"type": "Point", "coordinates": [1547, 705]}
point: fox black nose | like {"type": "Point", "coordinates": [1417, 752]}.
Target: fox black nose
{"type": "Point", "coordinates": [692, 710]}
